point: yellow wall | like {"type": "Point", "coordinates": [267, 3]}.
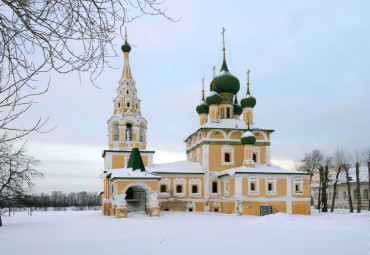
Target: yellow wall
{"type": "Point", "coordinates": [228, 207]}
{"type": "Point", "coordinates": [121, 185]}
{"type": "Point", "coordinates": [253, 208]}
{"type": "Point", "coordinates": [118, 162]}
{"type": "Point", "coordinates": [301, 207]}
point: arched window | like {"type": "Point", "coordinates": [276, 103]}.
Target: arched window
{"type": "Point", "coordinates": [254, 157]}
{"type": "Point", "coordinates": [297, 188]}
{"type": "Point", "coordinates": [142, 129]}
{"type": "Point", "coordinates": [119, 105]}
{"type": "Point", "coordinates": [269, 188]}
{"type": "Point", "coordinates": [127, 92]}
{"type": "Point", "coordinates": [128, 132]}
{"type": "Point", "coordinates": [178, 188]}
{"type": "Point", "coordinates": [163, 188]}
{"type": "Point", "coordinates": [214, 187]}
{"type": "Point", "coordinates": [194, 189]}
{"type": "Point", "coordinates": [115, 132]}
{"type": "Point", "coordinates": [227, 157]}
{"type": "Point", "coordinates": [253, 186]}
{"type": "Point", "coordinates": [128, 104]}
{"type": "Point", "coordinates": [228, 112]}
{"type": "Point", "coordinates": [366, 194]}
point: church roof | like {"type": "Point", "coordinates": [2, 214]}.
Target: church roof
{"type": "Point", "coordinates": [259, 169]}
{"type": "Point", "coordinates": [178, 167]}
{"type": "Point", "coordinates": [232, 124]}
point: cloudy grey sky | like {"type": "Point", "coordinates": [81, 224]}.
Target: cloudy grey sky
{"type": "Point", "coordinates": [310, 63]}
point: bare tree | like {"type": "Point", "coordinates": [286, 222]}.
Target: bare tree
{"type": "Point", "coordinates": [313, 163]}
{"type": "Point", "coordinates": [357, 159]}
{"type": "Point", "coordinates": [347, 159]}
{"type": "Point", "coordinates": [366, 157]}
{"type": "Point", "coordinates": [338, 164]}
{"type": "Point", "coordinates": [17, 171]}
{"type": "Point", "coordinates": [39, 36]}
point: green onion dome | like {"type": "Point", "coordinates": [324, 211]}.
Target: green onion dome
{"type": "Point", "coordinates": [237, 107]}
{"type": "Point", "coordinates": [225, 82]}
{"type": "Point", "coordinates": [214, 98]}
{"type": "Point", "coordinates": [202, 107]}
{"type": "Point", "coordinates": [126, 47]}
{"type": "Point", "coordinates": [248, 101]}
{"type": "Point", "coordinates": [248, 138]}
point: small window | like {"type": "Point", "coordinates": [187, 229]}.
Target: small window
{"type": "Point", "coordinates": [163, 188]}
{"type": "Point", "coordinates": [215, 210]}
{"type": "Point", "coordinates": [115, 132]}
{"type": "Point", "coordinates": [214, 187]}
{"type": "Point", "coordinates": [254, 157]}
{"type": "Point", "coordinates": [228, 112]}
{"type": "Point", "coordinates": [178, 188]}
{"type": "Point", "coordinates": [166, 210]}
{"type": "Point", "coordinates": [119, 105]}
{"type": "Point", "coordinates": [366, 194]}
{"type": "Point", "coordinates": [297, 188]}
{"type": "Point", "coordinates": [190, 209]}
{"type": "Point", "coordinates": [194, 189]}
{"type": "Point", "coordinates": [227, 187]}
{"type": "Point", "coordinates": [253, 186]}
{"type": "Point", "coordinates": [127, 92]}
{"type": "Point", "coordinates": [128, 132]}
{"type": "Point", "coordinates": [227, 157]}
{"type": "Point", "coordinates": [269, 187]}
{"type": "Point", "coordinates": [128, 104]}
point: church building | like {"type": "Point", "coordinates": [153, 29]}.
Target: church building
{"type": "Point", "coordinates": [228, 163]}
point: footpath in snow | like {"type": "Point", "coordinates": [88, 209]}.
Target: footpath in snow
{"type": "Point", "coordinates": [89, 232]}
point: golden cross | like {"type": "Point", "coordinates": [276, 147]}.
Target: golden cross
{"type": "Point", "coordinates": [214, 68]}
{"type": "Point", "coordinates": [223, 37]}
{"type": "Point", "coordinates": [248, 72]}
{"type": "Point", "coordinates": [203, 85]}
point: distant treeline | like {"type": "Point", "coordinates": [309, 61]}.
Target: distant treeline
{"type": "Point", "coordinates": [60, 199]}
{"type": "Point", "coordinates": [56, 199]}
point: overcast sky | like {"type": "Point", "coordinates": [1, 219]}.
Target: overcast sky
{"type": "Point", "coordinates": [310, 74]}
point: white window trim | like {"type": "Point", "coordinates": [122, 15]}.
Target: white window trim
{"type": "Point", "coordinates": [226, 187]}
{"type": "Point", "coordinates": [298, 181]}
{"type": "Point", "coordinates": [216, 205]}
{"type": "Point", "coordinates": [257, 151]}
{"type": "Point", "coordinates": [256, 180]}
{"type": "Point", "coordinates": [166, 182]}
{"type": "Point", "coordinates": [211, 194]}
{"type": "Point", "coordinates": [179, 181]}
{"type": "Point", "coordinates": [227, 149]}
{"type": "Point", "coordinates": [273, 181]}
{"type": "Point", "coordinates": [197, 182]}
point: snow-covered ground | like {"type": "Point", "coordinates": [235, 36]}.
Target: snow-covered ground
{"type": "Point", "coordinates": [88, 232]}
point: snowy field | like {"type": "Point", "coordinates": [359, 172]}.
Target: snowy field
{"type": "Point", "coordinates": [88, 232]}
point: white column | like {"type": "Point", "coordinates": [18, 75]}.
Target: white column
{"type": "Point", "coordinates": [289, 195]}
{"type": "Point", "coordinates": [205, 157]}
{"type": "Point", "coordinates": [238, 186]}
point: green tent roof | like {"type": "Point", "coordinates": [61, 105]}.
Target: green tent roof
{"type": "Point", "coordinates": [135, 162]}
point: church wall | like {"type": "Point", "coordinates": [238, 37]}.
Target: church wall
{"type": "Point", "coordinates": [121, 185]}
{"type": "Point", "coordinates": [216, 157]}
{"type": "Point", "coordinates": [306, 189]}
{"type": "Point", "coordinates": [253, 208]}
{"type": "Point", "coordinates": [183, 180]}
{"type": "Point", "coordinates": [118, 162]}
{"type": "Point", "coordinates": [228, 207]}
{"type": "Point", "coordinates": [301, 207]}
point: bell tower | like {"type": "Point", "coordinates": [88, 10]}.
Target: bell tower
{"type": "Point", "coordinates": [126, 121]}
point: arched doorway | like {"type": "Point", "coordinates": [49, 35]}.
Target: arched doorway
{"type": "Point", "coordinates": [137, 198]}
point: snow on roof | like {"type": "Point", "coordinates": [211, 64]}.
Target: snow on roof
{"type": "Point", "coordinates": [128, 173]}
{"type": "Point", "coordinates": [229, 124]}
{"type": "Point", "coordinates": [259, 169]}
{"type": "Point", "coordinates": [177, 167]}
{"type": "Point", "coordinates": [248, 134]}
{"type": "Point", "coordinates": [364, 175]}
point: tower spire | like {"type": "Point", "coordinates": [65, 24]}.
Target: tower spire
{"type": "Point", "coordinates": [223, 41]}
{"type": "Point", "coordinates": [213, 86]}
{"type": "Point", "coordinates": [248, 72]}
{"type": "Point", "coordinates": [126, 48]}
{"type": "Point", "coordinates": [203, 89]}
